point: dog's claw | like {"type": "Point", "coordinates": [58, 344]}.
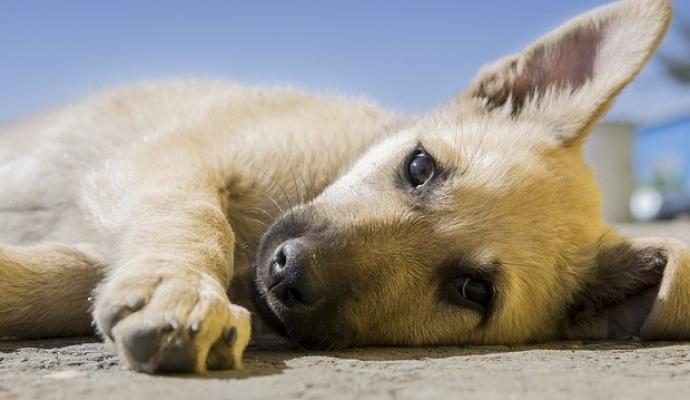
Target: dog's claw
{"type": "Point", "coordinates": [170, 327]}
{"type": "Point", "coordinates": [194, 328]}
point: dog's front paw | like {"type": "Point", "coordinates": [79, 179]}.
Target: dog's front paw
{"type": "Point", "coordinates": [172, 322]}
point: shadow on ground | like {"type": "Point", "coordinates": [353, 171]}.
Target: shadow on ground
{"type": "Point", "coordinates": [270, 353]}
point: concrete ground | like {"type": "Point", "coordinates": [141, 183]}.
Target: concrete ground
{"type": "Point", "coordinates": [82, 368]}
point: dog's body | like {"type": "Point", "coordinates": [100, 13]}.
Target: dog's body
{"type": "Point", "coordinates": [478, 223]}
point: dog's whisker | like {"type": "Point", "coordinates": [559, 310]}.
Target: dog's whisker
{"type": "Point", "coordinates": [258, 221]}
{"type": "Point", "coordinates": [258, 210]}
{"type": "Point", "coordinates": [282, 189]}
{"type": "Point", "coordinates": [307, 188]}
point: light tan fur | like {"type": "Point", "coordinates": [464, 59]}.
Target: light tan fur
{"type": "Point", "coordinates": [172, 186]}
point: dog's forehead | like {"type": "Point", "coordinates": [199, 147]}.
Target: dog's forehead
{"type": "Point", "coordinates": [490, 154]}
{"type": "Point", "coordinates": [485, 154]}
{"type": "Point", "coordinates": [386, 153]}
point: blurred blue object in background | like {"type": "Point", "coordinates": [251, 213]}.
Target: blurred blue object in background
{"type": "Point", "coordinates": [661, 155]}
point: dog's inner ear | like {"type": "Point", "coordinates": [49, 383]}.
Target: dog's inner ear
{"type": "Point", "coordinates": [563, 66]}
{"type": "Point", "coordinates": [618, 294]}
{"type": "Point", "coordinates": [569, 78]}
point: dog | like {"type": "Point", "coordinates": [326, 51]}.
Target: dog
{"type": "Point", "coordinates": [164, 212]}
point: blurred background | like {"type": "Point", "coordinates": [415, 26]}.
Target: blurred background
{"type": "Point", "coordinates": [411, 56]}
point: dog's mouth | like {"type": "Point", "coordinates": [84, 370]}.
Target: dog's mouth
{"type": "Point", "coordinates": [261, 299]}
{"type": "Point", "coordinates": [309, 328]}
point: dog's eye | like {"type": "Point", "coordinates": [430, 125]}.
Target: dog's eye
{"type": "Point", "coordinates": [472, 292]}
{"type": "Point", "coordinates": [420, 169]}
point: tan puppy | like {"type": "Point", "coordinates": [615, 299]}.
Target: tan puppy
{"type": "Point", "coordinates": [477, 223]}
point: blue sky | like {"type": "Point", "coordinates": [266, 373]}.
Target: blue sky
{"type": "Point", "coordinates": [406, 55]}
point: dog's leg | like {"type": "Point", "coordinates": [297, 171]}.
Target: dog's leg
{"type": "Point", "coordinates": [164, 304]}
{"type": "Point", "coordinates": [45, 289]}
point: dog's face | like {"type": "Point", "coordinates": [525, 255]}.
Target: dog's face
{"type": "Point", "coordinates": [478, 224]}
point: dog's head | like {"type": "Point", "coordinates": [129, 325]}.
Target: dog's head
{"type": "Point", "coordinates": [480, 223]}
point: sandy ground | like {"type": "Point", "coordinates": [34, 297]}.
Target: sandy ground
{"type": "Point", "coordinates": [82, 368]}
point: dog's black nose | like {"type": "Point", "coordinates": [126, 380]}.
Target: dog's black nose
{"type": "Point", "coordinates": [291, 276]}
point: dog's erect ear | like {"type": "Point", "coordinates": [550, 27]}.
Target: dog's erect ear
{"type": "Point", "coordinates": [637, 287]}
{"type": "Point", "coordinates": [569, 78]}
